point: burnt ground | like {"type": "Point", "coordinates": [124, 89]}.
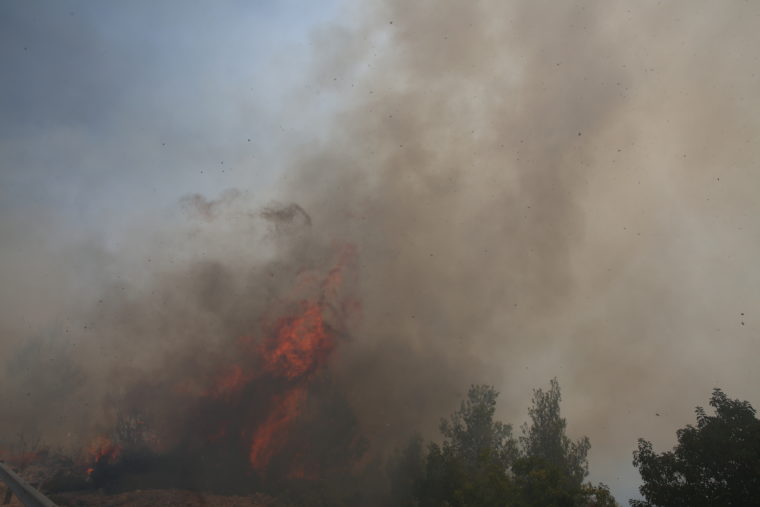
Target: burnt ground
{"type": "Point", "coordinates": [146, 498]}
{"type": "Point", "coordinates": [158, 497]}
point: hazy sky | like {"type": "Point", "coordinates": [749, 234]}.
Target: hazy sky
{"type": "Point", "coordinates": [574, 187]}
{"type": "Point", "coordinates": [110, 105]}
{"type": "Point", "coordinates": [111, 112]}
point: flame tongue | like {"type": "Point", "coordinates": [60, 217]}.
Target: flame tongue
{"type": "Point", "coordinates": [270, 435]}
{"type": "Point", "coordinates": [297, 349]}
{"type": "Point", "coordinates": [300, 346]}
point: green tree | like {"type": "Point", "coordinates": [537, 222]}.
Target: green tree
{"type": "Point", "coordinates": [449, 480]}
{"type": "Point", "coordinates": [716, 462]}
{"type": "Point", "coordinates": [545, 439]}
{"type": "Point", "coordinates": [543, 484]}
{"type": "Point", "coordinates": [471, 466]}
{"type": "Point", "coordinates": [472, 430]}
{"type": "Point", "coordinates": [597, 496]}
{"type": "Point", "coordinates": [478, 464]}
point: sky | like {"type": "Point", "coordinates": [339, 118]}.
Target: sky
{"type": "Point", "coordinates": [99, 100]}
{"type": "Point", "coordinates": [535, 190]}
{"type": "Point", "coordinates": [111, 113]}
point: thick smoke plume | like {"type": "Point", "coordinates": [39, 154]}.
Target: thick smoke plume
{"type": "Point", "coordinates": [530, 189]}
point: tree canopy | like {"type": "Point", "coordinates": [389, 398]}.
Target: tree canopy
{"type": "Point", "coordinates": [480, 464]}
{"type": "Point", "coordinates": [545, 437]}
{"type": "Point", "coordinates": [472, 430]}
{"type": "Point", "coordinates": [716, 462]}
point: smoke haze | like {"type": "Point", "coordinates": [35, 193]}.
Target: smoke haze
{"type": "Point", "coordinates": [531, 189]}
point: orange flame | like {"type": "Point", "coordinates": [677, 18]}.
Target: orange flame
{"type": "Point", "coordinates": [300, 346]}
{"type": "Point", "coordinates": [296, 347]}
{"type": "Point", "coordinates": [270, 435]}
{"type": "Point", "coordinates": [102, 451]}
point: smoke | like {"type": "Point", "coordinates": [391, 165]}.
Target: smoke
{"type": "Point", "coordinates": [531, 189]}
{"type": "Point", "coordinates": [542, 189]}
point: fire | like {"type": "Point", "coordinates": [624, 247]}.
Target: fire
{"type": "Point", "coordinates": [269, 436]}
{"type": "Point", "coordinates": [300, 346]}
{"type": "Point", "coordinates": [251, 404]}
{"type": "Point", "coordinates": [257, 401]}
{"type": "Point", "coordinates": [295, 347]}
{"type": "Point", "coordinates": [102, 451]}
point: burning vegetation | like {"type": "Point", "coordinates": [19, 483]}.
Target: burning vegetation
{"type": "Point", "coordinates": [257, 414]}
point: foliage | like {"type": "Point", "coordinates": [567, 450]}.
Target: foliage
{"type": "Point", "coordinates": [716, 462]}
{"type": "Point", "coordinates": [451, 480]}
{"type": "Point", "coordinates": [597, 496]}
{"type": "Point", "coordinates": [478, 463]}
{"type": "Point", "coordinates": [472, 431]}
{"type": "Point", "coordinates": [544, 484]}
{"type": "Point", "coordinates": [545, 438]}
{"type": "Point", "coordinates": [471, 465]}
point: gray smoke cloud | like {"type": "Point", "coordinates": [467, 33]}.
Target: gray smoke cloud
{"type": "Point", "coordinates": [532, 189]}
{"type": "Point", "coordinates": [546, 189]}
